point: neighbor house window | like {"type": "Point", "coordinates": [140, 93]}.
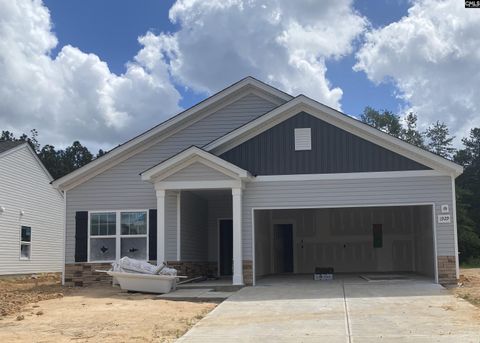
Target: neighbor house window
{"type": "Point", "coordinates": [25, 242]}
{"type": "Point", "coordinates": [116, 234]}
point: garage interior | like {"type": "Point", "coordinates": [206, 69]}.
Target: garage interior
{"type": "Point", "coordinates": [396, 239]}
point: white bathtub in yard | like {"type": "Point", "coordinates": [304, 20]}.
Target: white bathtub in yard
{"type": "Point", "coordinates": [145, 282]}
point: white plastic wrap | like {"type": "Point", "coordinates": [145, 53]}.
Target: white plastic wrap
{"type": "Point", "coordinates": [130, 265]}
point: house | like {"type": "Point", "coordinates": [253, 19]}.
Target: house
{"type": "Point", "coordinates": [270, 182]}
{"type": "Point", "coordinates": [31, 214]}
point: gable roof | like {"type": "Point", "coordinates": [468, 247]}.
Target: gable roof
{"type": "Point", "coordinates": [179, 121]}
{"type": "Point", "coordinates": [188, 157]}
{"type": "Point", "coordinates": [334, 117]}
{"type": "Point", "coordinates": [7, 145]}
{"type": "Point", "coordinates": [7, 148]}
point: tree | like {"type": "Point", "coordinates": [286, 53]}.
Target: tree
{"type": "Point", "coordinates": [76, 156]}
{"type": "Point", "coordinates": [52, 160]}
{"type": "Point", "coordinates": [32, 140]}
{"type": "Point", "coordinates": [410, 133]}
{"type": "Point", "coordinates": [383, 120]}
{"type": "Point", "coordinates": [100, 153]}
{"type": "Point", "coordinates": [439, 140]}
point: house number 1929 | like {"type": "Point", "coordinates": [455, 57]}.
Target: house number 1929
{"type": "Point", "coordinates": [444, 219]}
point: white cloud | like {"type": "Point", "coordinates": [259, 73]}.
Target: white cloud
{"type": "Point", "coordinates": [73, 95]}
{"type": "Point", "coordinates": [283, 42]}
{"type": "Point", "coordinates": [432, 55]}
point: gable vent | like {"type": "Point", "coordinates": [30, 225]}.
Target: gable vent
{"type": "Point", "coordinates": [303, 139]}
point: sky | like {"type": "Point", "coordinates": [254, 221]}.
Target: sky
{"type": "Point", "coordinates": [104, 71]}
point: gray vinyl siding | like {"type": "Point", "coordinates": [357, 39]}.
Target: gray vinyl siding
{"type": "Point", "coordinates": [24, 186]}
{"type": "Point", "coordinates": [333, 150]}
{"type": "Point", "coordinates": [171, 226]}
{"type": "Point", "coordinates": [360, 192]}
{"type": "Point", "coordinates": [198, 172]}
{"type": "Point", "coordinates": [194, 228]}
{"type": "Point", "coordinates": [121, 186]}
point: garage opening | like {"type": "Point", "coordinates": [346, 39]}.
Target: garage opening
{"type": "Point", "coordinates": [393, 239]}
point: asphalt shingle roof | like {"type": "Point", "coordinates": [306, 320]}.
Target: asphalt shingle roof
{"type": "Point", "coordinates": [7, 145]}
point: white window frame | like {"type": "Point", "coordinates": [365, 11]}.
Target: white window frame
{"type": "Point", "coordinates": [25, 243]}
{"type": "Point", "coordinates": [118, 236]}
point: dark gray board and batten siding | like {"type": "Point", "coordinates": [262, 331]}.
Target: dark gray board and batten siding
{"type": "Point", "coordinates": [333, 151]}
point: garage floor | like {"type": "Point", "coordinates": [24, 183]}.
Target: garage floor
{"type": "Point", "coordinates": [298, 309]}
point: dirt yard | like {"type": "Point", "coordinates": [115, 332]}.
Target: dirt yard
{"type": "Point", "coordinates": [469, 288]}
{"type": "Point", "coordinates": [46, 312]}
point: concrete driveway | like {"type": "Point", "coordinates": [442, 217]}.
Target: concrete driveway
{"type": "Point", "coordinates": [298, 309]}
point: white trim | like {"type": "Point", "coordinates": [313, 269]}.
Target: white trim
{"type": "Point", "coordinates": [64, 235]}
{"type": "Point", "coordinates": [188, 157]}
{"type": "Point", "coordinates": [347, 176]}
{"type": "Point", "coordinates": [179, 227]}
{"type": "Point", "coordinates": [435, 258]}
{"type": "Point", "coordinates": [118, 236]}
{"type": "Point", "coordinates": [177, 185]}
{"type": "Point", "coordinates": [336, 118]}
{"type": "Point", "coordinates": [161, 201]}
{"type": "Point", "coordinates": [182, 120]}
{"type": "Point", "coordinates": [434, 228]}
{"type": "Point", "coordinates": [454, 215]}
{"type": "Point", "coordinates": [237, 209]}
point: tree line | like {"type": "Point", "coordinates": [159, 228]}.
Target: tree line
{"type": "Point", "coordinates": [436, 138]}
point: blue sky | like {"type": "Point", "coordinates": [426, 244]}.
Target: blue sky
{"type": "Point", "coordinates": [104, 71]}
{"type": "Point", "coordinates": [110, 28]}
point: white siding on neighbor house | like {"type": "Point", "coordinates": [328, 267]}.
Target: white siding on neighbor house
{"type": "Point", "coordinates": [198, 172]}
{"type": "Point", "coordinates": [121, 186]}
{"type": "Point", "coordinates": [25, 186]}
{"type": "Point", "coordinates": [360, 192]}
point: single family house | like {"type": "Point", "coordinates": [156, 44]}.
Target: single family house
{"type": "Point", "coordinates": [31, 214]}
{"type": "Point", "coordinates": [253, 181]}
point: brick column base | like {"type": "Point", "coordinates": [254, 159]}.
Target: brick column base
{"type": "Point", "coordinates": [447, 270]}
{"type": "Point", "coordinates": [194, 268]}
{"type": "Point", "coordinates": [247, 272]}
{"type": "Point", "coordinates": [83, 274]}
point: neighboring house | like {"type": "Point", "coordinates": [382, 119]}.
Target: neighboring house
{"type": "Point", "coordinates": [31, 214]}
{"type": "Point", "coordinates": [272, 182]}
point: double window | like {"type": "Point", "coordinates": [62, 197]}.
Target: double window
{"type": "Point", "coordinates": [25, 242]}
{"type": "Point", "coordinates": [115, 234]}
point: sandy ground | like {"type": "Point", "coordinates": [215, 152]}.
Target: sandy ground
{"type": "Point", "coordinates": [469, 285]}
{"type": "Point", "coordinates": [92, 314]}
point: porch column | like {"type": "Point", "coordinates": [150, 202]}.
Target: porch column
{"type": "Point", "coordinates": [160, 226]}
{"type": "Point", "coordinates": [237, 236]}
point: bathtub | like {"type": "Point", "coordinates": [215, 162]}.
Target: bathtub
{"type": "Point", "coordinates": [146, 283]}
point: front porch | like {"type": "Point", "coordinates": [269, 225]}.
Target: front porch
{"type": "Point", "coordinates": [199, 215]}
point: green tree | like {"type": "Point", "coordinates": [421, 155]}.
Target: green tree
{"type": "Point", "coordinates": [383, 120]}
{"type": "Point", "coordinates": [439, 140]}
{"type": "Point", "coordinates": [32, 139]}
{"type": "Point", "coordinates": [76, 156]}
{"type": "Point", "coordinates": [410, 133]}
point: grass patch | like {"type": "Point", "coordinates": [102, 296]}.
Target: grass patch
{"type": "Point", "coordinates": [472, 262]}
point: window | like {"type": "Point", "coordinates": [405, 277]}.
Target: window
{"type": "Point", "coordinates": [116, 234]}
{"type": "Point", "coordinates": [25, 242]}
{"type": "Point", "coordinates": [303, 139]}
{"type": "Point", "coordinates": [134, 235]}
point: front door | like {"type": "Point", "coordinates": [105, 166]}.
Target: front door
{"type": "Point", "coordinates": [226, 247]}
{"type": "Point", "coordinates": [283, 243]}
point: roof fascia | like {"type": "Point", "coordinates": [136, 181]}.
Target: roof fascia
{"type": "Point", "coordinates": [188, 157]}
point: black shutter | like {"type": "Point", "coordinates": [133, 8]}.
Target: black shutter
{"type": "Point", "coordinates": [152, 234]}
{"type": "Point", "coordinates": [81, 236]}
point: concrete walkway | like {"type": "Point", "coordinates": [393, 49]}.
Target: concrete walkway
{"type": "Point", "coordinates": [298, 309]}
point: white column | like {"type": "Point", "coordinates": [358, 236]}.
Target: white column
{"type": "Point", "coordinates": [160, 226]}
{"type": "Point", "coordinates": [237, 236]}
